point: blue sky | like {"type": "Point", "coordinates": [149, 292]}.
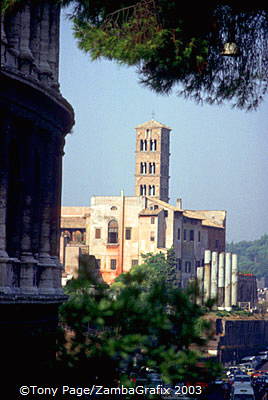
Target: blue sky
{"type": "Point", "coordinates": [219, 156]}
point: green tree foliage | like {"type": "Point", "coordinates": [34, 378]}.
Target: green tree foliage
{"type": "Point", "coordinates": [180, 46]}
{"type": "Point", "coordinates": [252, 255]}
{"type": "Point", "coordinates": [139, 321]}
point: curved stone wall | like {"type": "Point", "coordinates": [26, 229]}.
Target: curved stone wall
{"type": "Point", "coordinates": [34, 120]}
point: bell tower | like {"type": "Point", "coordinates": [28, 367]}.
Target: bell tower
{"type": "Point", "coordinates": [152, 160]}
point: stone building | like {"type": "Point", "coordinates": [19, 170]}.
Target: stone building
{"type": "Point", "coordinates": [34, 119]}
{"type": "Point", "coordinates": [119, 229]}
{"type": "Point", "coordinates": [152, 160]}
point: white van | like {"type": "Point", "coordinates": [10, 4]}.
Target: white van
{"type": "Point", "coordinates": [250, 360]}
{"type": "Point", "coordinates": [243, 392]}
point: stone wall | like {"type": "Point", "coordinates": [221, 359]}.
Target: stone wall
{"type": "Point", "coordinates": [240, 338]}
{"type": "Point", "coordinates": [34, 120]}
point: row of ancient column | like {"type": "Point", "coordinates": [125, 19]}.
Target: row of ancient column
{"type": "Point", "coordinates": [218, 279]}
{"type": "Point", "coordinates": [30, 197]}
{"type": "Point", "coordinates": [29, 41]}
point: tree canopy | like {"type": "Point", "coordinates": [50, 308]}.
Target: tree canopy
{"type": "Point", "coordinates": [252, 255]}
{"type": "Point", "coordinates": [180, 47]}
{"type": "Point", "coordinates": [139, 322]}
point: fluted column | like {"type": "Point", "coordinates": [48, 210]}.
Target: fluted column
{"type": "Point", "coordinates": [25, 54]}
{"type": "Point", "coordinates": [53, 54]}
{"type": "Point", "coordinates": [221, 280]}
{"type": "Point", "coordinates": [227, 283]}
{"type": "Point", "coordinates": [207, 275]}
{"type": "Point", "coordinates": [214, 274]}
{"type": "Point", "coordinates": [13, 38]}
{"type": "Point", "coordinates": [234, 279]}
{"type": "Point", "coordinates": [200, 282]}
{"type": "Point", "coordinates": [44, 67]}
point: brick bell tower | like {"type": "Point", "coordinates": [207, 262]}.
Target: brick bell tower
{"type": "Point", "coordinates": [152, 160]}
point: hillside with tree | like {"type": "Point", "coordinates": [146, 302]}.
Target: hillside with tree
{"type": "Point", "coordinates": [252, 255]}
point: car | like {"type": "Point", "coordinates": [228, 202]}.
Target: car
{"type": "Point", "coordinates": [241, 379]}
{"type": "Point", "coordinates": [263, 355]}
{"type": "Point", "coordinates": [243, 392]}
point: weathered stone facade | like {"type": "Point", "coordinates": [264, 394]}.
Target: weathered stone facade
{"type": "Point", "coordinates": [152, 160]}
{"type": "Point", "coordinates": [34, 119]}
{"type": "Point", "coordinates": [119, 229]}
{"type": "Point", "coordinates": [141, 225]}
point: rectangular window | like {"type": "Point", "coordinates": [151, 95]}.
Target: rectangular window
{"type": "Point", "coordinates": [178, 264]}
{"type": "Point", "coordinates": [128, 234]}
{"type": "Point", "coordinates": [188, 266]}
{"type": "Point", "coordinates": [134, 262]}
{"type": "Point", "coordinates": [185, 234]}
{"type": "Point", "coordinates": [152, 220]}
{"type": "Point", "coordinates": [191, 235]}
{"type": "Point", "coordinates": [98, 263]}
{"type": "Point", "coordinates": [179, 234]}
{"type": "Point", "coordinates": [97, 233]}
{"type": "Point", "coordinates": [217, 244]}
{"type": "Point", "coordinates": [113, 264]}
{"type": "Point", "coordinates": [152, 236]}
{"type": "Point", "coordinates": [199, 236]}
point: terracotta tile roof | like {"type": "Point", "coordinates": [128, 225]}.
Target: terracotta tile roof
{"type": "Point", "coordinates": [147, 211]}
{"type": "Point", "coordinates": [152, 124]}
{"type": "Point", "coordinates": [210, 217]}
{"type": "Point", "coordinates": [207, 222]}
{"type": "Point", "coordinates": [163, 204]}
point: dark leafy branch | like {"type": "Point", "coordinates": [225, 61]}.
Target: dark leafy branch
{"type": "Point", "coordinates": [181, 48]}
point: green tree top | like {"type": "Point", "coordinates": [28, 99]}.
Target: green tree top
{"type": "Point", "coordinates": [252, 255]}
{"type": "Point", "coordinates": [180, 47]}
{"type": "Point", "coordinates": [138, 322]}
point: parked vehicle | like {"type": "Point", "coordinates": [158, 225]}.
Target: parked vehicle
{"type": "Point", "coordinates": [242, 379]}
{"type": "Point", "coordinates": [243, 392]}
{"type": "Point", "coordinates": [252, 361]}
{"type": "Point", "coordinates": [263, 355]}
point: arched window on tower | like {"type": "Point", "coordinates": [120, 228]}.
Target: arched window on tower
{"type": "Point", "coordinates": [143, 168]}
{"type": "Point", "coordinates": [143, 145]}
{"type": "Point", "coordinates": [143, 190]}
{"type": "Point", "coordinates": [152, 168]}
{"type": "Point", "coordinates": [151, 190]}
{"type": "Point", "coordinates": [113, 231]}
{"type": "Point", "coordinates": [153, 145]}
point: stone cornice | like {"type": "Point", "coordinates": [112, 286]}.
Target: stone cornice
{"type": "Point", "coordinates": [53, 111]}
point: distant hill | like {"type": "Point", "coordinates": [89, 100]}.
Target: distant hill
{"type": "Point", "coordinates": [252, 255]}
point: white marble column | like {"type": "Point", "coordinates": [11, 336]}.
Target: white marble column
{"type": "Point", "coordinates": [227, 283]}
{"type": "Point", "coordinates": [234, 279]}
{"type": "Point", "coordinates": [207, 275]}
{"type": "Point", "coordinates": [200, 282]}
{"type": "Point", "coordinates": [214, 275]}
{"type": "Point", "coordinates": [221, 280]}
